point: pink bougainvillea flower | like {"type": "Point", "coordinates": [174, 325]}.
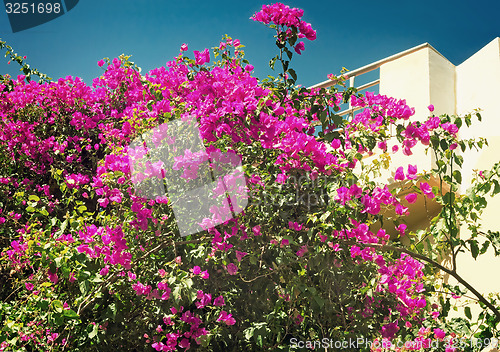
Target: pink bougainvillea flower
{"type": "Point", "coordinates": [336, 144]}
{"type": "Point", "coordinates": [184, 47]}
{"type": "Point", "coordinates": [411, 198]}
{"type": "Point", "coordinates": [226, 318]}
{"type": "Point", "coordinates": [382, 145]}
{"type": "Point", "coordinates": [52, 337]}
{"type": "Point", "coordinates": [431, 108]}
{"type": "Point", "coordinates": [439, 334]}
{"type": "Point", "coordinates": [100, 63]}
{"type": "Point", "coordinates": [299, 48]}
{"type": "Point", "coordinates": [389, 330]}
{"type": "Point", "coordinates": [196, 270]}
{"type": "Point", "coordinates": [294, 226]}
{"type": "Point", "coordinates": [412, 172]}
{"type": "Point", "coordinates": [427, 190]}
{"type": "Point", "coordinates": [202, 57]}
{"type": "Point", "coordinates": [204, 274]}
{"type": "Point", "coordinates": [401, 229]}
{"type": "Point", "coordinates": [53, 277]}
{"type": "Point", "coordinates": [400, 174]}
{"type": "Point", "coordinates": [401, 210]}
{"type": "Point", "coordinates": [302, 251]}
{"type": "Point", "coordinates": [281, 178]}
{"type": "Point", "coordinates": [355, 251]}
{"type": "Point", "coordinates": [205, 299]}
{"type": "Point", "coordinates": [104, 271]}
{"type": "Point", "coordinates": [219, 301]}
{"type": "Point", "coordinates": [29, 286]}
{"type": "Point", "coordinates": [335, 247]}
{"type": "Point", "coordinates": [232, 269]}
{"type": "Point", "coordinates": [249, 68]}
{"type": "Point", "coordinates": [240, 255]}
{"type": "Point", "coordinates": [184, 343]}
{"type": "Point", "coordinates": [451, 128]}
{"type": "Point", "coordinates": [72, 277]}
{"type": "Point", "coordinates": [279, 110]}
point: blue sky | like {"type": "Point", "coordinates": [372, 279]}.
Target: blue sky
{"type": "Point", "coordinates": [349, 33]}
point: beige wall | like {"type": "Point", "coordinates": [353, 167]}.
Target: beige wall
{"type": "Point", "coordinates": [426, 77]}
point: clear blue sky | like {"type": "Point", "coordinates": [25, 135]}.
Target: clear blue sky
{"type": "Point", "coordinates": [349, 33]}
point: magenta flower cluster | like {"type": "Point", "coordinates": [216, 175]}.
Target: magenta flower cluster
{"type": "Point", "coordinates": [286, 19]}
{"type": "Point", "coordinates": [232, 106]}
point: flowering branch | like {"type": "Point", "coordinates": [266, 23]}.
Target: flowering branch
{"type": "Point", "coordinates": [453, 273]}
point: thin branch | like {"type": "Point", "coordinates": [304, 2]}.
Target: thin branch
{"type": "Point", "coordinates": [257, 277]}
{"type": "Point", "coordinates": [453, 273]}
{"type": "Point", "coordinates": [451, 293]}
{"type": "Point", "coordinates": [167, 243]}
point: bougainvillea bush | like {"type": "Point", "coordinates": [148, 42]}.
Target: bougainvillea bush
{"type": "Point", "coordinates": [91, 262]}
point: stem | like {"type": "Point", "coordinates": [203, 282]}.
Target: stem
{"type": "Point", "coordinates": [448, 293]}
{"type": "Point", "coordinates": [163, 244]}
{"type": "Point", "coordinates": [450, 223]}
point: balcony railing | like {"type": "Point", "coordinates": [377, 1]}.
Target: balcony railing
{"type": "Point", "coordinates": [351, 75]}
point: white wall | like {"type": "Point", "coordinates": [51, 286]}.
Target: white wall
{"type": "Point", "coordinates": [426, 77]}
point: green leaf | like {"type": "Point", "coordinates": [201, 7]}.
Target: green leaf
{"type": "Point", "coordinates": [34, 198]}
{"type": "Point", "coordinates": [496, 188]}
{"type": "Point", "coordinates": [93, 333]}
{"type": "Point", "coordinates": [474, 248]}
{"type": "Point", "coordinates": [30, 209]}
{"type": "Point", "coordinates": [249, 333]}
{"type": "Point", "coordinates": [63, 226]}
{"type": "Point", "coordinates": [468, 313]}
{"type": "Point", "coordinates": [58, 306]}
{"type": "Point", "coordinates": [204, 340]}
{"type": "Point", "coordinates": [325, 216]}
{"type": "Point", "coordinates": [84, 286]}
{"type": "Point", "coordinates": [70, 314]}
{"type": "Point", "coordinates": [319, 301]}
{"type": "Point", "coordinates": [457, 176]}
{"type": "Point", "coordinates": [444, 145]}
{"type": "Point", "coordinates": [485, 246]}
{"type": "Point", "coordinates": [449, 198]}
